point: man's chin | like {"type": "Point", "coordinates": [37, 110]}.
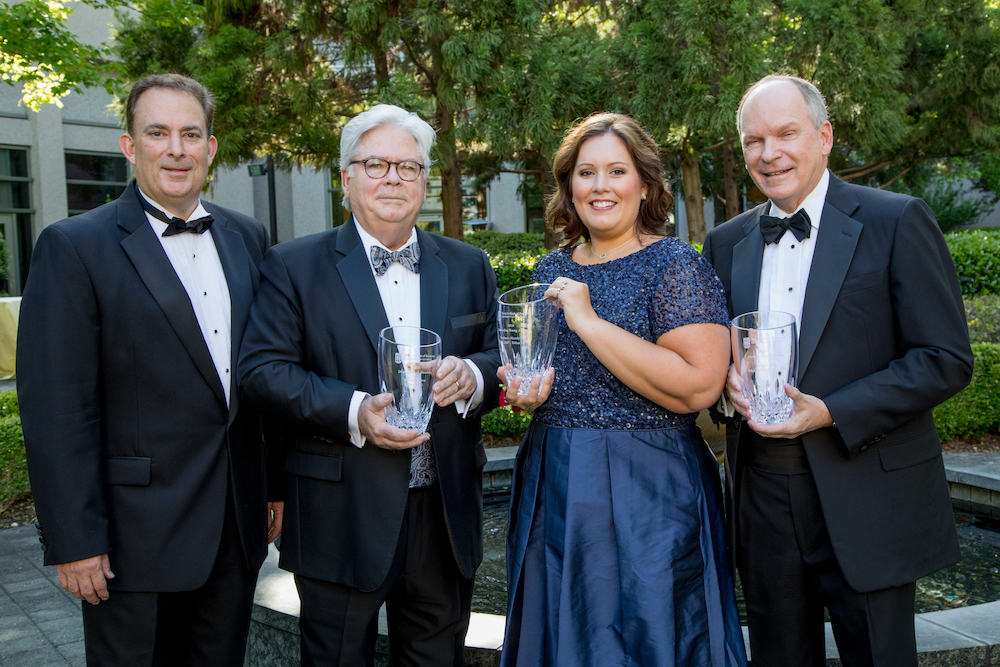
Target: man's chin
{"type": "Point", "coordinates": [396, 217]}
{"type": "Point", "coordinates": [176, 190]}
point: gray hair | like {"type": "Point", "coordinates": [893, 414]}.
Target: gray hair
{"type": "Point", "coordinates": [815, 104]}
{"type": "Point", "coordinates": [377, 116]}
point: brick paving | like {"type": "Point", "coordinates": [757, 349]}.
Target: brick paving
{"type": "Point", "coordinates": [40, 623]}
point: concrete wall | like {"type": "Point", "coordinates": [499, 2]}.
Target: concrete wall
{"type": "Point", "coordinates": [680, 214]}
{"type": "Point", "coordinates": [504, 207]}
{"type": "Point", "coordinates": [302, 201]}
{"type": "Point", "coordinates": [233, 188]}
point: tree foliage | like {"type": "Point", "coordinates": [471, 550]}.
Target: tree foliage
{"type": "Point", "coordinates": [685, 66]}
{"type": "Point", "coordinates": [908, 83]}
{"type": "Point", "coordinates": [39, 52]}
{"type": "Point", "coordinates": [289, 73]}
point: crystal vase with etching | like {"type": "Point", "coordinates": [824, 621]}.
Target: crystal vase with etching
{"type": "Point", "coordinates": [766, 354]}
{"type": "Point", "coordinates": [527, 329]}
{"type": "Point", "coordinates": [407, 360]}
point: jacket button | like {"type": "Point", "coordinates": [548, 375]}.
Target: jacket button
{"type": "Point", "coordinates": [44, 548]}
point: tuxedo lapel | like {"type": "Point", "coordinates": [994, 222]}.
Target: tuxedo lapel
{"type": "Point", "coordinates": [236, 267]}
{"type": "Point", "coordinates": [748, 256]}
{"type": "Point", "coordinates": [433, 285]}
{"type": "Point", "coordinates": [356, 273]}
{"type": "Point", "coordinates": [151, 263]}
{"type": "Point", "coordinates": [835, 244]}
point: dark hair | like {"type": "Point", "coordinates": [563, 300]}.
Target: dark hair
{"type": "Point", "coordinates": [174, 82]}
{"type": "Point", "coordinates": [561, 215]}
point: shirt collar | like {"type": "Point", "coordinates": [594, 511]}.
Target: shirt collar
{"type": "Point", "coordinates": [368, 240]}
{"type": "Point", "coordinates": [199, 211]}
{"type": "Point", "coordinates": [813, 203]}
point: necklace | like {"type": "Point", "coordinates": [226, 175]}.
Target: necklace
{"type": "Point", "coordinates": [613, 249]}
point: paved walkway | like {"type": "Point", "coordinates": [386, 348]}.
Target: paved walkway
{"type": "Point", "coordinates": [40, 623]}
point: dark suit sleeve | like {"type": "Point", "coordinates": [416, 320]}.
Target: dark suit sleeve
{"type": "Point", "coordinates": [488, 360]}
{"type": "Point", "coordinates": [933, 359]}
{"type": "Point", "coordinates": [706, 248]}
{"type": "Point", "coordinates": [58, 373]}
{"type": "Point", "coordinates": [272, 366]}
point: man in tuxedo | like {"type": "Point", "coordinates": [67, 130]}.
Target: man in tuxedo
{"type": "Point", "coordinates": [845, 504]}
{"type": "Point", "coordinates": [148, 474]}
{"type": "Point", "coordinates": [377, 513]}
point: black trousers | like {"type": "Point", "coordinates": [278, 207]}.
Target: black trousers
{"type": "Point", "coordinates": [199, 628]}
{"type": "Point", "coordinates": [428, 601]}
{"type": "Point", "coordinates": [790, 573]}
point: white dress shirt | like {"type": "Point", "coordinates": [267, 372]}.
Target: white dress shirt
{"type": "Point", "coordinates": [196, 262]}
{"type": "Point", "coordinates": [784, 271]}
{"type": "Point", "coordinates": [400, 291]}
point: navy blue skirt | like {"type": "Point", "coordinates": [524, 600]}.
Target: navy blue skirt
{"type": "Point", "coordinates": [616, 552]}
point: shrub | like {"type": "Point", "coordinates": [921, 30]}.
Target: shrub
{"type": "Point", "coordinates": [975, 411]}
{"type": "Point", "coordinates": [501, 243]}
{"type": "Point", "coordinates": [976, 253]}
{"type": "Point", "coordinates": [13, 467]}
{"type": "Point", "coordinates": [954, 206]}
{"type": "Point", "coordinates": [505, 423]}
{"type": "Point", "coordinates": [514, 270]}
{"type": "Point", "coordinates": [513, 256]}
{"type": "Point", "coordinates": [8, 404]}
{"type": "Point", "coordinates": [983, 315]}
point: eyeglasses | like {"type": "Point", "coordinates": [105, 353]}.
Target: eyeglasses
{"type": "Point", "coordinates": [376, 167]}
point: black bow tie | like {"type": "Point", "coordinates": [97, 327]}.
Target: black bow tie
{"type": "Point", "coordinates": [175, 225]}
{"type": "Point", "coordinates": [773, 228]}
{"type": "Point", "coordinates": [409, 257]}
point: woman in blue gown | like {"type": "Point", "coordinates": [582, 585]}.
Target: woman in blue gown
{"type": "Point", "coordinates": [616, 552]}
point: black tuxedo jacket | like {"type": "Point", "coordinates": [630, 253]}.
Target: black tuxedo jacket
{"type": "Point", "coordinates": [130, 444]}
{"type": "Point", "coordinates": [883, 340]}
{"type": "Point", "coordinates": [311, 342]}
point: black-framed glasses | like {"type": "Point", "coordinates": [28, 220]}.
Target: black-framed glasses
{"type": "Point", "coordinates": [376, 167]}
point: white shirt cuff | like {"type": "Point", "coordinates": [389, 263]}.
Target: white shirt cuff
{"type": "Point", "coordinates": [464, 405]}
{"type": "Point", "coordinates": [724, 407]}
{"type": "Point", "coordinates": [357, 439]}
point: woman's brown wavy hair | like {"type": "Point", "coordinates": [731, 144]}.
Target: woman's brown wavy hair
{"type": "Point", "coordinates": [561, 215]}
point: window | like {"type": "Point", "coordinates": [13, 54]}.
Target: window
{"type": "Point", "coordinates": [92, 180]}
{"type": "Point", "coordinates": [534, 205]}
{"type": "Point", "coordinates": [431, 217]}
{"type": "Point", "coordinates": [15, 217]}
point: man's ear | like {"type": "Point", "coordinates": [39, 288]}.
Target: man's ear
{"type": "Point", "coordinates": [127, 146]}
{"type": "Point", "coordinates": [213, 147]}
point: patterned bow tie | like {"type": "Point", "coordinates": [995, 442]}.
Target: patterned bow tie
{"type": "Point", "coordinates": [176, 225]}
{"type": "Point", "coordinates": [409, 257]}
{"type": "Point", "coordinates": [773, 228]}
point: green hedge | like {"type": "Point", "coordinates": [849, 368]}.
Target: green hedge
{"type": "Point", "coordinates": [8, 404]}
{"type": "Point", "coordinates": [513, 256]}
{"type": "Point", "coordinates": [983, 315]}
{"type": "Point", "coordinates": [501, 243]}
{"type": "Point", "coordinates": [505, 423]}
{"type": "Point", "coordinates": [13, 467]}
{"type": "Point", "coordinates": [976, 253]}
{"type": "Point", "coordinates": [514, 270]}
{"type": "Point", "coordinates": [975, 411]}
